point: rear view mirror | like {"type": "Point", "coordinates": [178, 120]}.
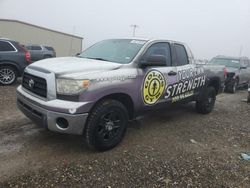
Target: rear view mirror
{"type": "Point", "coordinates": [154, 60]}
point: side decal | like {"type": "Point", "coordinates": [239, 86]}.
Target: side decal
{"type": "Point", "coordinates": [153, 87]}
{"type": "Point", "coordinates": [189, 80]}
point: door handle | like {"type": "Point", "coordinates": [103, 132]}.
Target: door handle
{"type": "Point", "coordinates": [172, 73]}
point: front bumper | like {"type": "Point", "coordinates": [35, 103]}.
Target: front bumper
{"type": "Point", "coordinates": [44, 114]}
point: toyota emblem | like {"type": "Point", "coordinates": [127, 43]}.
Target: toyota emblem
{"type": "Point", "coordinates": [31, 83]}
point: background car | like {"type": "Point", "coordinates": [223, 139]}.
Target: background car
{"type": "Point", "coordinates": [38, 52]}
{"type": "Point", "coordinates": [237, 71]}
{"type": "Point", "coordinates": [13, 59]}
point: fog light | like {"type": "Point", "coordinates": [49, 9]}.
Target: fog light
{"type": "Point", "coordinates": [62, 123]}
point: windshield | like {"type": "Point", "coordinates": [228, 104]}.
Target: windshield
{"type": "Point", "coordinates": [227, 62]}
{"type": "Point", "coordinates": [115, 50]}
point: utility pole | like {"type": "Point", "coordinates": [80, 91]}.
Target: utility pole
{"type": "Point", "coordinates": [134, 28]}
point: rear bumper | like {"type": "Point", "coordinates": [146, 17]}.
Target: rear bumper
{"type": "Point", "coordinates": [38, 111]}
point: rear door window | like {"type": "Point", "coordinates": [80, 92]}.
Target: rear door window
{"type": "Point", "coordinates": [36, 48]}
{"type": "Point", "coordinates": [182, 58]}
{"type": "Point", "coordinates": [6, 47]}
{"type": "Point", "coordinates": [49, 48]}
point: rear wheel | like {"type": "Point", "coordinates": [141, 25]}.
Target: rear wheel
{"type": "Point", "coordinates": [206, 104]}
{"type": "Point", "coordinates": [106, 125]}
{"type": "Point", "coordinates": [8, 75]}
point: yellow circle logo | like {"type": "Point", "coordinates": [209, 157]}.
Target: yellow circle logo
{"type": "Point", "coordinates": [153, 87]}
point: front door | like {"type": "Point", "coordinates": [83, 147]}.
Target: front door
{"type": "Point", "coordinates": [155, 79]}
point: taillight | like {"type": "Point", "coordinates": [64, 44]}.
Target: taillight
{"type": "Point", "coordinates": [27, 56]}
{"type": "Point", "coordinates": [225, 72]}
{"type": "Point", "coordinates": [27, 53]}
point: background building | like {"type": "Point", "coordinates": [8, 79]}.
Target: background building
{"type": "Point", "coordinates": [25, 33]}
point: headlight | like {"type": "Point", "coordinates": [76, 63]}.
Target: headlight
{"type": "Point", "coordinates": [71, 87]}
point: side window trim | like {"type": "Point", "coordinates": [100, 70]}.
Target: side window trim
{"type": "Point", "coordinates": [15, 50]}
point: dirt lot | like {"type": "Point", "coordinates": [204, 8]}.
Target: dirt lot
{"type": "Point", "coordinates": [166, 149]}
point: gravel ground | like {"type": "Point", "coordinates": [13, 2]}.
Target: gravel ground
{"type": "Point", "coordinates": [177, 148]}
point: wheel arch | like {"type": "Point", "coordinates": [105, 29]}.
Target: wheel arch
{"type": "Point", "coordinates": [123, 98]}
{"type": "Point", "coordinates": [11, 64]}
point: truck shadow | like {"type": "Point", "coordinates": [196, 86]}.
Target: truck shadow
{"type": "Point", "coordinates": [165, 115]}
{"type": "Point", "coordinates": [61, 143]}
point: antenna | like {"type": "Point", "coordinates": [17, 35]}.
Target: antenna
{"type": "Point", "coordinates": [134, 28]}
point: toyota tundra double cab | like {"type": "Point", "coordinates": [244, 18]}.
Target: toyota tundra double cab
{"type": "Point", "coordinates": [96, 93]}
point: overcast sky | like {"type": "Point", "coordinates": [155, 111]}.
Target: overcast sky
{"type": "Point", "coordinates": [209, 27]}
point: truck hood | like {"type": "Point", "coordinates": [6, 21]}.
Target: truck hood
{"type": "Point", "coordinates": [74, 67]}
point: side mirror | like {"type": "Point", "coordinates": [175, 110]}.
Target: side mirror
{"type": "Point", "coordinates": [153, 60]}
{"type": "Point", "coordinates": [77, 54]}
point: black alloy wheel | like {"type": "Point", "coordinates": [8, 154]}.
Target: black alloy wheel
{"type": "Point", "coordinates": [106, 125]}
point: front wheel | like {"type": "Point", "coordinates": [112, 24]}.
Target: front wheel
{"type": "Point", "coordinates": [206, 104]}
{"type": "Point", "coordinates": [106, 125]}
{"type": "Point", "coordinates": [8, 75]}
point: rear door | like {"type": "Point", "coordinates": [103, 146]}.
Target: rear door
{"type": "Point", "coordinates": [155, 79]}
{"type": "Point", "coordinates": [190, 77]}
{"type": "Point", "coordinates": [35, 52]}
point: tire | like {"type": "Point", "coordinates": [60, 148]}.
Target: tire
{"type": "Point", "coordinates": [106, 125]}
{"type": "Point", "coordinates": [8, 75]}
{"type": "Point", "coordinates": [206, 105]}
{"type": "Point", "coordinates": [233, 86]}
